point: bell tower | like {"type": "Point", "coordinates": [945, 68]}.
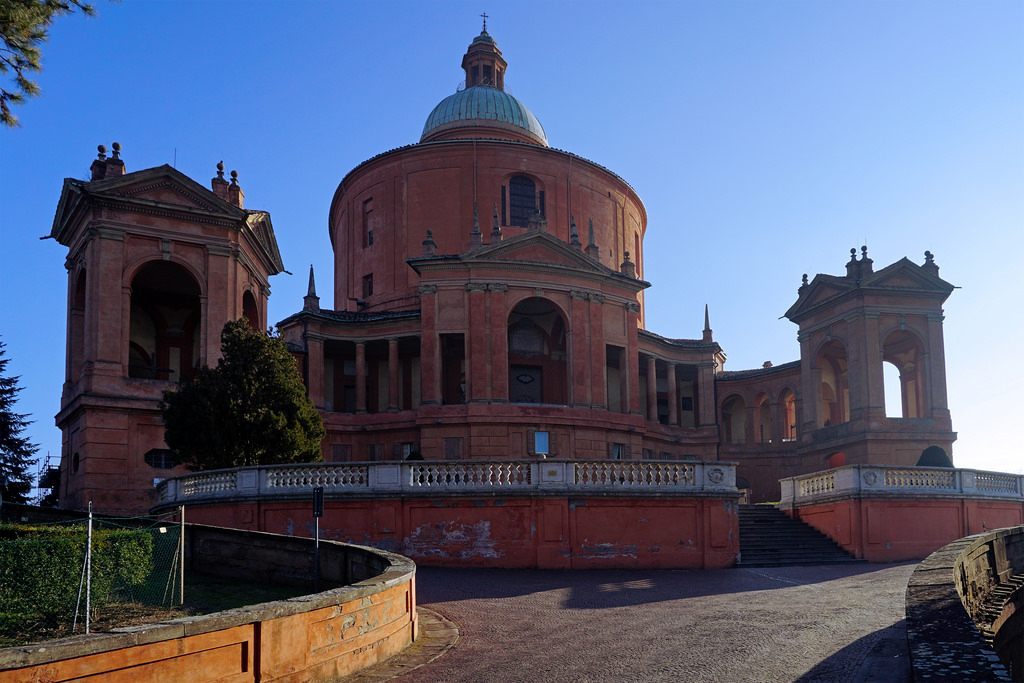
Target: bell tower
{"type": "Point", "coordinates": [850, 326]}
{"type": "Point", "coordinates": [156, 265]}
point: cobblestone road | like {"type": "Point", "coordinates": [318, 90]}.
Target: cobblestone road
{"type": "Point", "coordinates": [832, 623]}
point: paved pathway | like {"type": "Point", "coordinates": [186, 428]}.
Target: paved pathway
{"type": "Point", "coordinates": [831, 623]}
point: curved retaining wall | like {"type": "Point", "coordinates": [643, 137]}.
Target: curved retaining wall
{"type": "Point", "coordinates": [959, 593]}
{"type": "Point", "coordinates": [367, 615]}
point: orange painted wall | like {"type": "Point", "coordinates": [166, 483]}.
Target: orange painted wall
{"type": "Point", "coordinates": [893, 530]}
{"type": "Point", "coordinates": [512, 532]}
{"type": "Point", "coordinates": [320, 645]}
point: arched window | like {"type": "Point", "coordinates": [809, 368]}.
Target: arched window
{"type": "Point", "coordinates": [522, 200]}
{"type": "Point", "coordinates": [934, 456]}
{"type": "Point", "coordinates": [164, 329]}
{"type": "Point", "coordinates": [902, 351]}
{"type": "Point", "coordinates": [835, 390]}
{"type": "Point", "coordinates": [836, 460]}
{"type": "Point", "coordinates": [537, 363]}
{"type": "Point", "coordinates": [733, 420]}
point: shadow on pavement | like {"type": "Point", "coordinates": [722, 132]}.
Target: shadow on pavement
{"type": "Point", "coordinates": [610, 588]}
{"type": "Point", "coordinates": [882, 657]}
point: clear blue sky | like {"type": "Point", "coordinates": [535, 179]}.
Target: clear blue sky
{"type": "Point", "coordinates": [765, 138]}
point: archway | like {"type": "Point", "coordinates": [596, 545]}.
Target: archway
{"type": "Point", "coordinates": [537, 363]}
{"type": "Point", "coordinates": [764, 419]}
{"type": "Point", "coordinates": [835, 390]}
{"type": "Point", "coordinates": [250, 311]}
{"type": "Point", "coordinates": [836, 460]}
{"type": "Point", "coordinates": [164, 329]}
{"type": "Point", "coordinates": [934, 456]}
{"type": "Point", "coordinates": [788, 401]}
{"type": "Point", "coordinates": [903, 350]}
{"type": "Point", "coordinates": [733, 419]}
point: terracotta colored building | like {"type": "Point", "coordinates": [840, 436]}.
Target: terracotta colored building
{"type": "Point", "coordinates": [488, 304]}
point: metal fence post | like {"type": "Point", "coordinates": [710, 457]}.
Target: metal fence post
{"type": "Point", "coordinates": [181, 557]}
{"type": "Point", "coordinates": [88, 570]}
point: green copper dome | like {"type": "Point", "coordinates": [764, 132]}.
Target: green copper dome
{"type": "Point", "coordinates": [483, 105]}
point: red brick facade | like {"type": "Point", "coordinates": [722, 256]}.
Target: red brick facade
{"type": "Point", "coordinates": [488, 295]}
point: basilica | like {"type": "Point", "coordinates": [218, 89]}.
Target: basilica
{"type": "Point", "coordinates": [488, 304]}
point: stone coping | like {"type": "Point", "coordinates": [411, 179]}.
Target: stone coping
{"type": "Point", "coordinates": [454, 478]}
{"type": "Point", "coordinates": [879, 481]}
{"type": "Point", "coordinates": [398, 570]}
{"type": "Point", "coordinates": [944, 643]}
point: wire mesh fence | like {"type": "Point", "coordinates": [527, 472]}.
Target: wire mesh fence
{"type": "Point", "coordinates": [64, 578]}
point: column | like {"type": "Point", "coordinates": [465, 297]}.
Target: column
{"type": "Point", "coordinates": [652, 389]}
{"type": "Point", "coordinates": [673, 395]}
{"type": "Point", "coordinates": [580, 362]}
{"type": "Point", "coordinates": [476, 344]}
{"type": "Point", "coordinates": [706, 404]}
{"type": "Point", "coordinates": [315, 369]}
{"type": "Point", "coordinates": [430, 365]}
{"type": "Point", "coordinates": [632, 365]}
{"type": "Point", "coordinates": [360, 377]}
{"type": "Point", "coordinates": [598, 352]}
{"type": "Point", "coordinates": [392, 375]}
{"type": "Point", "coordinates": [499, 340]}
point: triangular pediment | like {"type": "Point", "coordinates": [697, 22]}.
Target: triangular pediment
{"type": "Point", "coordinates": [536, 247]}
{"type": "Point", "coordinates": [262, 231]}
{"type": "Point", "coordinates": [160, 188]}
{"type": "Point", "coordinates": [907, 276]}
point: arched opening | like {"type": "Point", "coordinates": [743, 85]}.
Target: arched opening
{"type": "Point", "coordinates": [165, 323]}
{"type": "Point", "coordinates": [835, 390]}
{"type": "Point", "coordinates": [934, 456]}
{"type": "Point", "coordinates": [537, 363]}
{"type": "Point", "coordinates": [902, 351]}
{"type": "Point", "coordinates": [764, 418]}
{"type": "Point", "coordinates": [249, 310]}
{"type": "Point", "coordinates": [733, 413]}
{"type": "Point", "coordinates": [523, 201]}
{"type": "Point", "coordinates": [788, 401]}
{"type": "Point", "coordinates": [836, 460]}
{"type": "Point", "coordinates": [76, 328]}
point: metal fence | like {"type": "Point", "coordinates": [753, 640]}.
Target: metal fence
{"type": "Point", "coordinates": [72, 577]}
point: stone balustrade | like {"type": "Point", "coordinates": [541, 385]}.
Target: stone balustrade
{"type": "Point", "coordinates": [876, 480]}
{"type": "Point", "coordinates": [445, 476]}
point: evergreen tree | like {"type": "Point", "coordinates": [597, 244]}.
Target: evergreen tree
{"type": "Point", "coordinates": [16, 451]}
{"type": "Point", "coordinates": [251, 409]}
{"type": "Point", "coordinates": [24, 26]}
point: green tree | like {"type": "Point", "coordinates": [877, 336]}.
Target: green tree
{"type": "Point", "coordinates": [16, 451]}
{"type": "Point", "coordinates": [24, 26]}
{"type": "Point", "coordinates": [251, 409]}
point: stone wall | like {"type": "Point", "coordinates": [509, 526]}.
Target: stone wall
{"type": "Point", "coordinates": [963, 610]}
{"type": "Point", "coordinates": [319, 637]}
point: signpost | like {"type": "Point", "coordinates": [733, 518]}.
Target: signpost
{"type": "Point", "coordinates": [318, 512]}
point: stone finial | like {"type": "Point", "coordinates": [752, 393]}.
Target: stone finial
{"type": "Point", "coordinates": [218, 184]}
{"type": "Point", "coordinates": [102, 167]}
{"type": "Point", "coordinates": [865, 262]}
{"type": "Point", "coordinates": [803, 282]}
{"type": "Point", "coordinates": [574, 235]}
{"type": "Point", "coordinates": [851, 266]}
{"type": "Point", "coordinates": [429, 245]}
{"type": "Point", "coordinates": [495, 229]}
{"type": "Point", "coordinates": [475, 237]}
{"type": "Point", "coordinates": [592, 250]}
{"type": "Point", "coordinates": [311, 302]}
{"type": "Point", "coordinates": [627, 267]}
{"type": "Point", "coordinates": [767, 364]}
{"type": "Point", "coordinates": [235, 194]}
{"type": "Point", "coordinates": [929, 264]}
{"type": "Point", "coordinates": [707, 335]}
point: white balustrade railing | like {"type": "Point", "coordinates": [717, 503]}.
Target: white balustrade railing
{"type": "Point", "coordinates": [466, 476]}
{"type": "Point", "coordinates": [859, 480]}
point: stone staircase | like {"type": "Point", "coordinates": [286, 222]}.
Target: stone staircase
{"type": "Point", "coordinates": [771, 538]}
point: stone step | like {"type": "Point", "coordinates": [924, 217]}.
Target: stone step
{"type": "Point", "coordinates": [770, 538]}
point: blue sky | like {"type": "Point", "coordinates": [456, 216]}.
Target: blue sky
{"type": "Point", "coordinates": [765, 138]}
